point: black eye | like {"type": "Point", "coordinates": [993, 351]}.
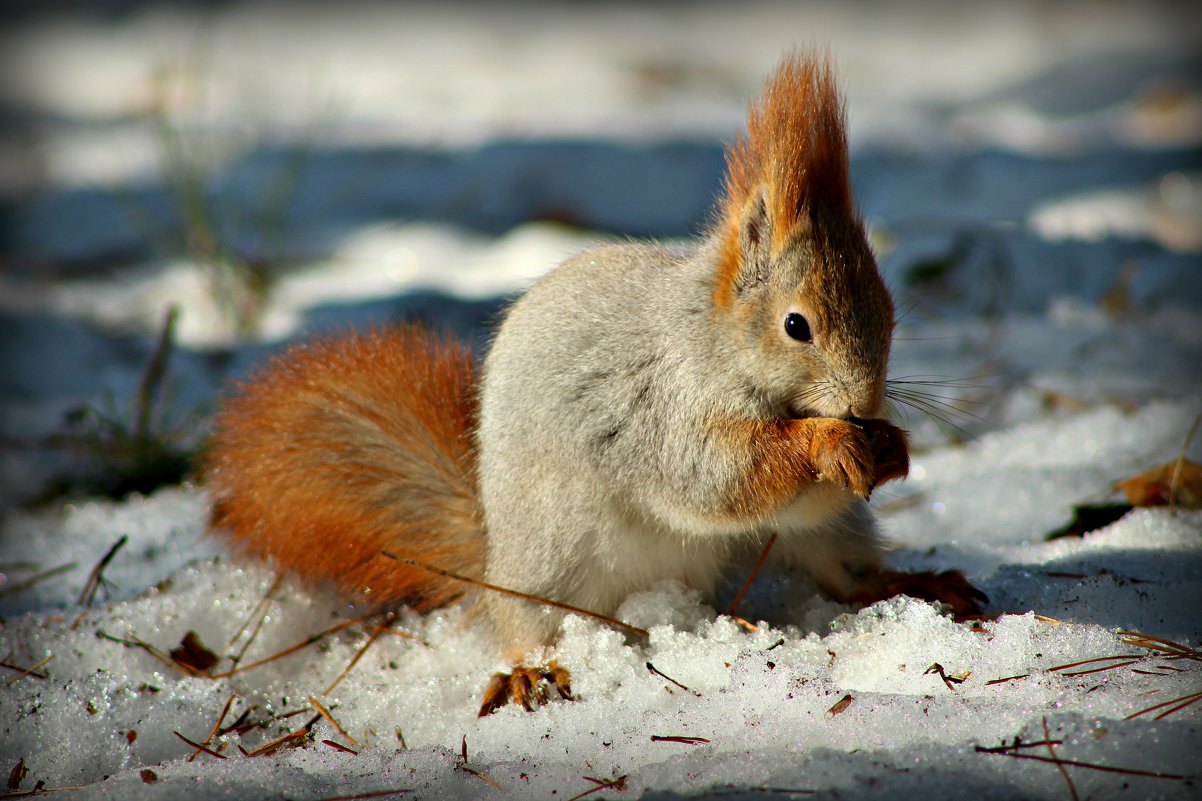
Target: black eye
{"type": "Point", "coordinates": [797, 327]}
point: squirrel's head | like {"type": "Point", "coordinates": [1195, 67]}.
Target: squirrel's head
{"type": "Point", "coordinates": [796, 283]}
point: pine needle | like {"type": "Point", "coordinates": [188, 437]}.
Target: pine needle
{"type": "Point", "coordinates": [29, 672]}
{"type": "Point", "coordinates": [199, 747]}
{"type": "Point", "coordinates": [754, 570]}
{"type": "Point", "coordinates": [515, 593]}
{"type": "Point", "coordinates": [375, 635]}
{"type": "Point", "coordinates": [1176, 705]}
{"type": "Point", "coordinates": [325, 713]}
{"type": "Point", "coordinates": [346, 624]}
{"type": "Point", "coordinates": [1047, 737]}
{"type": "Point", "coordinates": [216, 727]}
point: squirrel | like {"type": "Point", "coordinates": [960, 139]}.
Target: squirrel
{"type": "Point", "coordinates": [643, 413]}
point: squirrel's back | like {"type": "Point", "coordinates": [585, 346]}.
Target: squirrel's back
{"type": "Point", "coordinates": [345, 446]}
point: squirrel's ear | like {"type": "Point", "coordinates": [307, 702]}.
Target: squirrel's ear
{"type": "Point", "coordinates": [755, 243]}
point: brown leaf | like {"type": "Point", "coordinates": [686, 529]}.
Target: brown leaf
{"type": "Point", "coordinates": [193, 654]}
{"type": "Point", "coordinates": [1090, 518]}
{"type": "Point", "coordinates": [1152, 488]}
{"type": "Point", "coordinates": [841, 704]}
{"type": "Point", "coordinates": [19, 772]}
{"type": "Point", "coordinates": [149, 776]}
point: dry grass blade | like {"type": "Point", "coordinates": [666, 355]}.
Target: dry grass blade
{"type": "Point", "coordinates": [754, 570]}
{"type": "Point", "coordinates": [31, 671]}
{"type": "Point", "coordinates": [37, 578]}
{"type": "Point", "coordinates": [346, 624]}
{"type": "Point", "coordinates": [375, 635]}
{"type": "Point", "coordinates": [1047, 739]}
{"type": "Point", "coordinates": [152, 376]}
{"type": "Point", "coordinates": [1175, 484]}
{"type": "Point", "coordinates": [1087, 765]}
{"type": "Point", "coordinates": [96, 577]}
{"type": "Point", "coordinates": [259, 615]}
{"type": "Point", "coordinates": [1176, 705]}
{"type": "Point", "coordinates": [199, 747]}
{"type": "Point", "coordinates": [340, 747]}
{"type": "Point", "coordinates": [677, 738]}
{"type": "Point", "coordinates": [525, 596]}
{"type": "Point", "coordinates": [325, 713]}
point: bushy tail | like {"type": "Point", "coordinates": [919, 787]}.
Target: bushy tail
{"type": "Point", "coordinates": [348, 445]}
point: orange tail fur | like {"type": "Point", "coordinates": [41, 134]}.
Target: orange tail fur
{"type": "Point", "coordinates": [348, 445]}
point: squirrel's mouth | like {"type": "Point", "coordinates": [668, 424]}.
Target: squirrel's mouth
{"type": "Point", "coordinates": [795, 411]}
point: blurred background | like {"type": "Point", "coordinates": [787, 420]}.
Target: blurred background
{"type": "Point", "coordinates": [185, 185]}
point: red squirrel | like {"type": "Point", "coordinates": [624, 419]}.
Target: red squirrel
{"type": "Point", "coordinates": [643, 413]}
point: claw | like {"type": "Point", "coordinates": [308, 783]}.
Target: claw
{"type": "Point", "coordinates": [527, 687]}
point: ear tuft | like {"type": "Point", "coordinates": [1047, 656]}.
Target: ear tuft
{"type": "Point", "coordinates": [795, 148]}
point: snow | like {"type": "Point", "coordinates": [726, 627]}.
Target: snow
{"type": "Point", "coordinates": [1029, 181]}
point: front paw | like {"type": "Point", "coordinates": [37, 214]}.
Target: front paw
{"type": "Point", "coordinates": [527, 687]}
{"type": "Point", "coordinates": [890, 450]}
{"type": "Point", "coordinates": [840, 453]}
